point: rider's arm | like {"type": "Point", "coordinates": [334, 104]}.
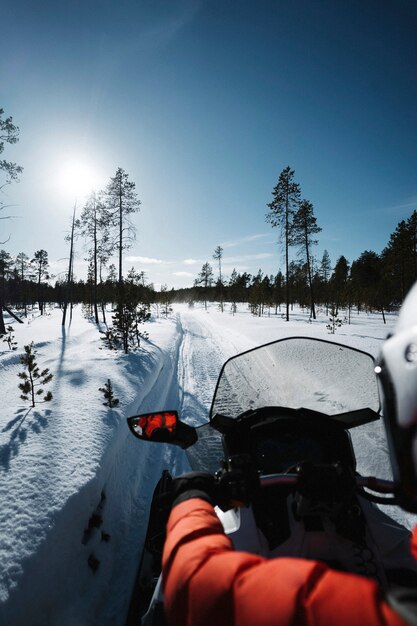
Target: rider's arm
{"type": "Point", "coordinates": [208, 583]}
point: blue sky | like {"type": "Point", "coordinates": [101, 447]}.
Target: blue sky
{"type": "Point", "coordinates": [203, 103]}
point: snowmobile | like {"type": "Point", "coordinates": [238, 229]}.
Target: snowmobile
{"type": "Point", "coordinates": [278, 443]}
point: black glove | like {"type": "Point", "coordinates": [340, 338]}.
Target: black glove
{"type": "Point", "coordinates": [194, 485]}
{"type": "Point", "coordinates": [235, 488]}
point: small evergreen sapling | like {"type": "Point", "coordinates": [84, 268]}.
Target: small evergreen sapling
{"type": "Point", "coordinates": [10, 338]}
{"type": "Point", "coordinates": [107, 390]}
{"type": "Point", "coordinates": [335, 322]}
{"type": "Point", "coordinates": [33, 378]}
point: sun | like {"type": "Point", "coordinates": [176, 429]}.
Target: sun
{"type": "Point", "coordinates": [77, 178]}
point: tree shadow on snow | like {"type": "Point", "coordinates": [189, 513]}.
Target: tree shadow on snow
{"type": "Point", "coordinates": [12, 423]}
{"type": "Point", "coordinates": [138, 363]}
{"type": "Point", "coordinates": [21, 415]}
{"type": "Point", "coordinates": [111, 418]}
{"type": "Point", "coordinates": [39, 421]}
{"type": "Point", "coordinates": [19, 433]}
{"type": "Point", "coordinates": [62, 352]}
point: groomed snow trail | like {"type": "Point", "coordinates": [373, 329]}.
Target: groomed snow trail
{"type": "Point", "coordinates": [204, 349]}
{"type": "Point", "coordinates": [185, 382]}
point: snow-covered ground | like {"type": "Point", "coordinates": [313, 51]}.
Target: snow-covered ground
{"type": "Point", "coordinates": [66, 460]}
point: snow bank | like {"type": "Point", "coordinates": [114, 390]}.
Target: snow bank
{"type": "Point", "coordinates": [57, 459]}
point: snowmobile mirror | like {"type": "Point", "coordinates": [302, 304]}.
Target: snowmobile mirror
{"type": "Point", "coordinates": [162, 427]}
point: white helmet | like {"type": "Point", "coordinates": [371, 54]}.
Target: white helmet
{"type": "Point", "coordinates": [397, 373]}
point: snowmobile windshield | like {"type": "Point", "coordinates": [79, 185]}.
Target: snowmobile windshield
{"type": "Point", "coordinates": [297, 373]}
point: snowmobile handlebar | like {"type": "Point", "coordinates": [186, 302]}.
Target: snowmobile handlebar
{"type": "Point", "coordinates": [377, 485]}
{"type": "Point", "coordinates": [238, 480]}
{"type": "Point", "coordinates": [369, 482]}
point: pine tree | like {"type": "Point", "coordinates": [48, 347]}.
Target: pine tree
{"type": "Point", "coordinates": [277, 291]}
{"type": "Point", "coordinates": [10, 338]}
{"type": "Point", "coordinates": [24, 270]}
{"type": "Point", "coordinates": [303, 228]}
{"type": "Point", "coordinates": [107, 390]}
{"type": "Point", "coordinates": [33, 378]}
{"type": "Point", "coordinates": [6, 264]}
{"type": "Point", "coordinates": [217, 256]}
{"type": "Point", "coordinates": [121, 201]}
{"type": "Point", "coordinates": [112, 275]}
{"type": "Point", "coordinates": [232, 290]}
{"type": "Point", "coordinates": [125, 332]}
{"type": "Point", "coordinates": [9, 172]}
{"type": "Point", "coordinates": [94, 223]}
{"type": "Point", "coordinates": [205, 279]}
{"type": "Point", "coordinates": [335, 322]}
{"type": "Point", "coordinates": [123, 322]}
{"type": "Point", "coordinates": [325, 273]}
{"type": "Point", "coordinates": [41, 264]}
{"type": "Point", "coordinates": [23, 265]}
{"type": "Point", "coordinates": [285, 201]}
{"type": "Point", "coordinates": [9, 133]}
{"type": "Point", "coordinates": [338, 282]}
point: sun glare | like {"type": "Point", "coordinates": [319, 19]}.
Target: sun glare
{"type": "Point", "coordinates": [77, 178]}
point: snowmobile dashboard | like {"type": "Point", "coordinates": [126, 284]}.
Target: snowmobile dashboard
{"type": "Point", "coordinates": [268, 414]}
{"type": "Point", "coordinates": [277, 438]}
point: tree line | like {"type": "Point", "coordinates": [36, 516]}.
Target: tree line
{"type": "Point", "coordinates": [374, 281]}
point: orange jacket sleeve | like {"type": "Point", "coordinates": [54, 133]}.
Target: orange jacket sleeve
{"type": "Point", "coordinates": [208, 583]}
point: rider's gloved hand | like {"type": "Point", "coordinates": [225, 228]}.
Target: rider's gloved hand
{"type": "Point", "coordinates": [194, 485]}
